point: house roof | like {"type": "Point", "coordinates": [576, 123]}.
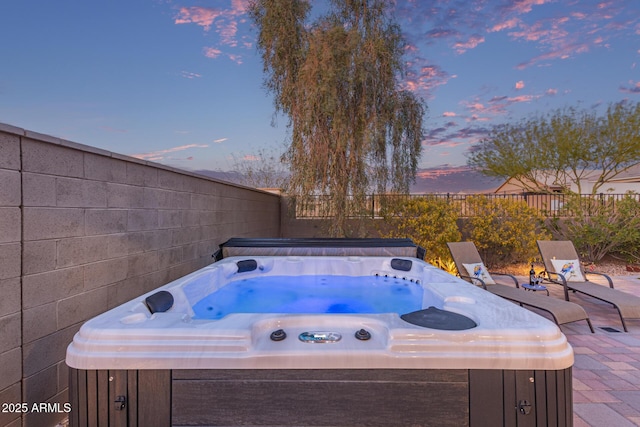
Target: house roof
{"type": "Point", "coordinates": [628, 180]}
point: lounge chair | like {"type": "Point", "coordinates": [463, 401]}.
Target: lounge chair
{"type": "Point", "coordinates": [562, 266]}
{"type": "Point", "coordinates": [561, 311]}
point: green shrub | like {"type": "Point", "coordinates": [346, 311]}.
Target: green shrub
{"type": "Point", "coordinates": [504, 230]}
{"type": "Point", "coordinates": [600, 225]}
{"type": "Point", "coordinates": [429, 221]}
{"type": "Point", "coordinates": [629, 212]}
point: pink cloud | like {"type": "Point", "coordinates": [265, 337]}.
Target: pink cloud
{"type": "Point", "coordinates": [225, 21]}
{"type": "Point", "coordinates": [239, 6]}
{"type": "Point", "coordinates": [441, 171]}
{"type": "Point", "coordinates": [473, 41]}
{"type": "Point", "coordinates": [523, 98]}
{"type": "Point", "coordinates": [201, 16]}
{"type": "Point", "coordinates": [552, 91]}
{"type": "Point", "coordinates": [525, 6]}
{"type": "Point", "coordinates": [211, 52]}
{"type": "Point", "coordinates": [235, 58]}
{"type": "Point", "coordinates": [430, 71]}
{"type": "Point", "coordinates": [633, 88]}
{"type": "Point", "coordinates": [448, 114]}
{"type": "Point", "coordinates": [159, 155]}
{"type": "Point", "coordinates": [228, 33]}
{"type": "Point", "coordinates": [496, 106]}
{"type": "Point", "coordinates": [508, 24]}
{"type": "Point", "coordinates": [425, 78]}
{"type": "Point", "coordinates": [410, 48]}
{"type": "Point", "coordinates": [563, 37]}
{"type": "Point", "coordinates": [477, 118]}
{"type": "Point", "coordinates": [564, 52]}
{"type": "Point", "coordinates": [519, 85]}
{"type": "Point", "coordinates": [499, 105]}
{"type": "Point", "coordinates": [550, 31]}
{"type": "Point", "coordinates": [475, 106]}
{"type": "Point", "coordinates": [604, 5]}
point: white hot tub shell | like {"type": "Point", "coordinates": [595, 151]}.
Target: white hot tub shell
{"type": "Point", "coordinates": [506, 336]}
{"type": "Point", "coordinates": [178, 348]}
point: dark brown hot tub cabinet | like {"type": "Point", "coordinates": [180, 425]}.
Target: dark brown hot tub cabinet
{"type": "Point", "coordinates": [321, 397]}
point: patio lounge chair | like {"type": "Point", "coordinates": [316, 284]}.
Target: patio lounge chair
{"type": "Point", "coordinates": [562, 266]}
{"type": "Point", "coordinates": [561, 311]}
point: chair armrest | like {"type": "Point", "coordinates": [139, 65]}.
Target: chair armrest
{"type": "Point", "coordinates": [471, 279]}
{"type": "Point", "coordinates": [507, 275]}
{"type": "Point", "coordinates": [562, 281]}
{"type": "Point", "coordinates": [601, 274]}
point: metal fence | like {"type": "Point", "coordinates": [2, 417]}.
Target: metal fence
{"type": "Point", "coordinates": [548, 204]}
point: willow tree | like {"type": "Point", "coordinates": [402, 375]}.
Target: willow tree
{"type": "Point", "coordinates": [353, 128]}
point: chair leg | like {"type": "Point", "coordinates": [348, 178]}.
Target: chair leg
{"type": "Point", "coordinates": [624, 324]}
{"type": "Point", "coordinates": [590, 325]}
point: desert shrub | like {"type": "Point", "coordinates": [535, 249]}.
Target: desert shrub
{"type": "Point", "coordinates": [504, 230]}
{"type": "Point", "coordinates": [429, 221]}
{"type": "Point", "coordinates": [446, 264]}
{"type": "Point", "coordinates": [599, 225]}
{"type": "Point", "coordinates": [629, 211]}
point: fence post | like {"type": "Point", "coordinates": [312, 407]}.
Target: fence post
{"type": "Point", "coordinates": [373, 206]}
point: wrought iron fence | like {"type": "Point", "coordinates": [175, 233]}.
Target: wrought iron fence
{"type": "Point", "coordinates": [548, 204]}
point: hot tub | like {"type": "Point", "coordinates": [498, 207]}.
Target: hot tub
{"type": "Point", "coordinates": [321, 340]}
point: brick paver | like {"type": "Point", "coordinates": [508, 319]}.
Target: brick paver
{"type": "Point", "coordinates": [606, 372]}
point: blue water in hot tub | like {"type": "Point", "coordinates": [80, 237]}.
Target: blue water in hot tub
{"type": "Point", "coordinates": [312, 294]}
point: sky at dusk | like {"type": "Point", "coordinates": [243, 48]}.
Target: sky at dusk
{"type": "Point", "coordinates": [179, 82]}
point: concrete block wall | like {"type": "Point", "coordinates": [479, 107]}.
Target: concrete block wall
{"type": "Point", "coordinates": [83, 230]}
{"type": "Point", "coordinates": [10, 281]}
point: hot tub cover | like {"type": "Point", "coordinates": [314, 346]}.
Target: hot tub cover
{"type": "Point", "coordinates": [318, 246]}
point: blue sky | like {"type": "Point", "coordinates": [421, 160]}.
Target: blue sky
{"type": "Point", "coordinates": [180, 82]}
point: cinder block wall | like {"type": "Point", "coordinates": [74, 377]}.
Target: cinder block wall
{"type": "Point", "coordinates": [83, 230]}
{"type": "Point", "coordinates": [10, 267]}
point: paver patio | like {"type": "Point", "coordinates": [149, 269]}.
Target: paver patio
{"type": "Point", "coordinates": [606, 373]}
